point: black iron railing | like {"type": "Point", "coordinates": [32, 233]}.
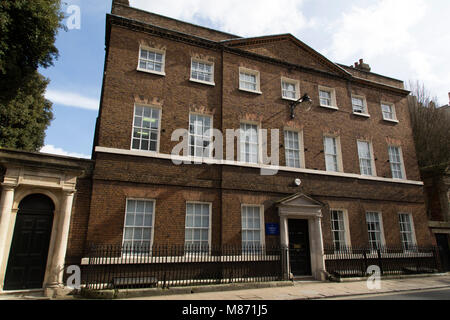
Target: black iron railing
{"type": "Point", "coordinates": [138, 266]}
{"type": "Point", "coordinates": [354, 261]}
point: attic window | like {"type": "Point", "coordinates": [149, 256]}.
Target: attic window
{"type": "Point", "coordinates": [151, 60]}
{"type": "Point", "coordinates": [290, 89]}
{"type": "Point", "coordinates": [249, 80]}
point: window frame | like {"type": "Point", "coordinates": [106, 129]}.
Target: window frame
{"type": "Point", "coordinates": [250, 72]}
{"type": "Point", "coordinates": [380, 221]}
{"type": "Point", "coordinates": [332, 92]}
{"type": "Point", "coordinates": [365, 106]}
{"type": "Point", "coordinates": [212, 82]}
{"type": "Point", "coordinates": [259, 151]}
{"type": "Point", "coordinates": [187, 252]}
{"type": "Point", "coordinates": [163, 62]}
{"type": "Point", "coordinates": [413, 231]}
{"type": "Point", "coordinates": [261, 223]}
{"type": "Point", "coordinates": [296, 84]}
{"type": "Point", "coordinates": [372, 158]}
{"type": "Point", "coordinates": [339, 161]}
{"type": "Point", "coordinates": [211, 137]}
{"type": "Point", "coordinates": [301, 146]}
{"type": "Point", "coordinates": [347, 239]}
{"type": "Point", "coordinates": [159, 127]}
{"type": "Point", "coordinates": [152, 234]}
{"type": "Point", "coordinates": [402, 162]}
{"type": "Point", "coordinates": [394, 114]}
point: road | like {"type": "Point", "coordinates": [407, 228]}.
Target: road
{"type": "Point", "coordinates": [429, 294]}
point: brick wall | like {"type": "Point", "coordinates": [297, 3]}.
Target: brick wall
{"type": "Point", "coordinates": [118, 177]}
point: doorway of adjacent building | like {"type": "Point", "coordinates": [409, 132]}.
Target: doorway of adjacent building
{"type": "Point", "coordinates": [299, 252]}
{"type": "Point", "coordinates": [442, 241]}
{"type": "Point", "coordinates": [29, 248]}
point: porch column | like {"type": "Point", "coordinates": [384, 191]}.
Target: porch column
{"type": "Point", "coordinates": [284, 241]}
{"type": "Point", "coordinates": [62, 232]}
{"type": "Point", "coordinates": [320, 258]}
{"type": "Point", "coordinates": [6, 205]}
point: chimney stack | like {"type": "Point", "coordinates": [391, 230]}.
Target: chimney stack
{"type": "Point", "coordinates": [362, 66]}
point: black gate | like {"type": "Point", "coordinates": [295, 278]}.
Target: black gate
{"type": "Point", "coordinates": [30, 243]}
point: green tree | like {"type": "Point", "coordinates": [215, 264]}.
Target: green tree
{"type": "Point", "coordinates": [25, 118]}
{"type": "Point", "coordinates": [431, 129]}
{"type": "Point", "coordinates": [28, 30]}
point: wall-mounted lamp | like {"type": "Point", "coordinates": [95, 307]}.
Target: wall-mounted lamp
{"type": "Point", "coordinates": [293, 104]}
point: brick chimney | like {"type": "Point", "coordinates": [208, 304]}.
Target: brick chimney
{"type": "Point", "coordinates": [362, 66]}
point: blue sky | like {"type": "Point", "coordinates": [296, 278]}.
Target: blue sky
{"type": "Point", "coordinates": [404, 39]}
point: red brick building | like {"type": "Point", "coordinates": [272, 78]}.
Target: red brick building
{"type": "Point", "coordinates": [347, 172]}
{"type": "Point", "coordinates": [185, 76]}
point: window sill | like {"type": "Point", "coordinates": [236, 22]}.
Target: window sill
{"type": "Point", "coordinates": [391, 120]}
{"type": "Point", "coordinates": [160, 73]}
{"type": "Point", "coordinates": [203, 82]}
{"type": "Point", "coordinates": [251, 91]}
{"type": "Point", "coordinates": [365, 115]}
{"type": "Point", "coordinates": [289, 99]}
{"type": "Point", "coordinates": [329, 107]}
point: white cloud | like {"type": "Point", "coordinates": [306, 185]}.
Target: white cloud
{"type": "Point", "coordinates": [243, 18]}
{"type": "Point", "coordinates": [72, 99]}
{"type": "Point", "coordinates": [380, 29]}
{"type": "Point", "coordinates": [58, 151]}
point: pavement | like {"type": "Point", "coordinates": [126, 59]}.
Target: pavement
{"type": "Point", "coordinates": [301, 290]}
{"type": "Point", "coordinates": [297, 290]}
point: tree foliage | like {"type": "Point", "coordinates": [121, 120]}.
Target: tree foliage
{"type": "Point", "coordinates": [431, 128]}
{"type": "Point", "coordinates": [28, 30]}
{"type": "Point", "coordinates": [25, 117]}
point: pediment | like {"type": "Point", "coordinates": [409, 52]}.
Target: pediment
{"type": "Point", "coordinates": [287, 48]}
{"type": "Point", "coordinates": [299, 200]}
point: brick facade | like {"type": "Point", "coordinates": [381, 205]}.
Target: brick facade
{"type": "Point", "coordinates": [147, 176]}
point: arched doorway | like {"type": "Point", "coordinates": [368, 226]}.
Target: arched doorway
{"type": "Point", "coordinates": [29, 248]}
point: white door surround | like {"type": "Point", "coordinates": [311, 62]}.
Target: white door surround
{"type": "Point", "coordinates": [35, 173]}
{"type": "Point", "coordinates": [300, 206]}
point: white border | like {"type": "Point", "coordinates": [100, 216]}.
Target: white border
{"type": "Point", "coordinates": [340, 163]}
{"type": "Point", "coordinates": [394, 113]}
{"type": "Point", "coordinates": [347, 237]}
{"type": "Point", "coordinates": [332, 91]}
{"type": "Point", "coordinates": [413, 230]}
{"type": "Point", "coordinates": [163, 52]}
{"type": "Point", "coordinates": [400, 151]}
{"type": "Point", "coordinates": [159, 127]}
{"type": "Point", "coordinates": [209, 227]}
{"type": "Point", "coordinates": [296, 83]}
{"type": "Point", "coordinates": [258, 80]}
{"type": "Point", "coordinates": [212, 83]}
{"type": "Point", "coordinates": [372, 158]}
{"type": "Point", "coordinates": [301, 146]}
{"type": "Point", "coordinates": [211, 149]}
{"type": "Point", "coordinates": [366, 107]}
{"type": "Point", "coordinates": [153, 219]}
{"type": "Point", "coordinates": [262, 225]}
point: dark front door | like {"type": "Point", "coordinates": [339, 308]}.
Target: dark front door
{"type": "Point", "coordinates": [299, 254]}
{"type": "Point", "coordinates": [444, 250]}
{"type": "Point", "coordinates": [29, 247]}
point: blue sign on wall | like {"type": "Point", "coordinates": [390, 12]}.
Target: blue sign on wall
{"type": "Point", "coordinates": [272, 229]}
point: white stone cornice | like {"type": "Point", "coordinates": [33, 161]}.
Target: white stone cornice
{"type": "Point", "coordinates": [196, 160]}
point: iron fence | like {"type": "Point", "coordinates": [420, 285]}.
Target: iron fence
{"type": "Point", "coordinates": [355, 261]}
{"type": "Point", "coordinates": [140, 266]}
